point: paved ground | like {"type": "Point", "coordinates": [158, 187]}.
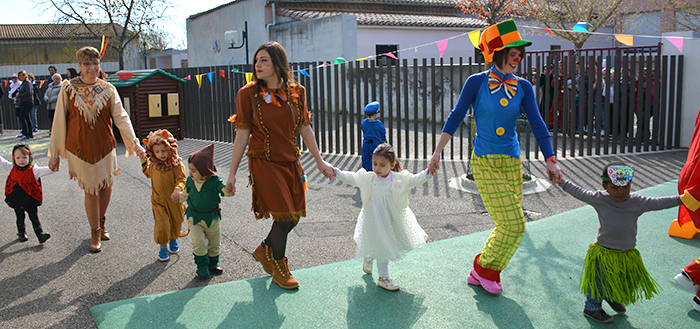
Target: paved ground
{"type": "Point", "coordinates": [54, 285]}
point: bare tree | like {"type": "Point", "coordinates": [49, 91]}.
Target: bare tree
{"type": "Point", "coordinates": [679, 14]}
{"type": "Point", "coordinates": [495, 11]}
{"type": "Point", "coordinates": [126, 20]}
{"type": "Point", "coordinates": [560, 15]}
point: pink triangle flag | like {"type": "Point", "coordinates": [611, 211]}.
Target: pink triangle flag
{"type": "Point", "coordinates": [188, 78]}
{"type": "Point", "coordinates": [676, 41]}
{"type": "Point", "coordinates": [442, 46]}
{"type": "Point", "coordinates": [390, 55]}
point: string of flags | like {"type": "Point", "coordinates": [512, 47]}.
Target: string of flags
{"type": "Point", "coordinates": [474, 38]}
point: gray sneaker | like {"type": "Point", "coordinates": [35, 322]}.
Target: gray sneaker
{"type": "Point", "coordinates": [598, 315]}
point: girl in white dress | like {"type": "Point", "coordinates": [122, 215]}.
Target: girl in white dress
{"type": "Point", "coordinates": [386, 228]}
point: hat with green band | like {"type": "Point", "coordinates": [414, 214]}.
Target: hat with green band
{"type": "Point", "coordinates": [499, 36]}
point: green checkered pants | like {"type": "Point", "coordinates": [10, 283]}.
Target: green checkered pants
{"type": "Point", "coordinates": [499, 179]}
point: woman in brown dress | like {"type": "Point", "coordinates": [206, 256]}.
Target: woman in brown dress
{"type": "Point", "coordinates": [82, 133]}
{"type": "Point", "coordinates": [271, 111]}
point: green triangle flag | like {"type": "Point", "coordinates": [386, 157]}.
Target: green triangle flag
{"type": "Point", "coordinates": [234, 70]}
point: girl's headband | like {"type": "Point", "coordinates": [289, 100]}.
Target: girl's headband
{"type": "Point", "coordinates": [22, 146]}
{"type": "Point", "coordinates": [619, 175]}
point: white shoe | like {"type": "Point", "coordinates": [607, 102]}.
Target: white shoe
{"type": "Point", "coordinates": [684, 281]}
{"type": "Point", "coordinates": [367, 266]}
{"type": "Point", "coordinates": [387, 284]}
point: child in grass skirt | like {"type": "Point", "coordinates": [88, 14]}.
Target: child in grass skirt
{"type": "Point", "coordinates": [613, 269]}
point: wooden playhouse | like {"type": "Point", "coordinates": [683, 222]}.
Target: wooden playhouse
{"type": "Point", "coordinates": [152, 98]}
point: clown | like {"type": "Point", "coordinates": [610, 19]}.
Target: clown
{"type": "Point", "coordinates": [498, 96]}
{"type": "Point", "coordinates": [167, 173]}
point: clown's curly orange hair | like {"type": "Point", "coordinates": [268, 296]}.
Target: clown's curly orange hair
{"type": "Point", "coordinates": [162, 136]}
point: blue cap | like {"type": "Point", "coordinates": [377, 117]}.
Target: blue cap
{"type": "Point", "coordinates": [372, 108]}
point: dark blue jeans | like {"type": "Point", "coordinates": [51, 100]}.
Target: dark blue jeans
{"type": "Point", "coordinates": [25, 108]}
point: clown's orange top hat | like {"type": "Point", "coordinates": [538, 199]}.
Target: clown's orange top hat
{"type": "Point", "coordinates": [498, 36]}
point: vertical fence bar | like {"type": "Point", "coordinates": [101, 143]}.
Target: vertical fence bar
{"type": "Point", "coordinates": [452, 104]}
{"type": "Point", "coordinates": [343, 109]}
{"type": "Point", "coordinates": [662, 73]}
{"type": "Point", "coordinates": [329, 108]}
{"type": "Point", "coordinates": [606, 106]}
{"type": "Point", "coordinates": [336, 108]}
{"type": "Point", "coordinates": [425, 106]}
{"type": "Point", "coordinates": [390, 101]}
{"type": "Point", "coordinates": [631, 104]}
{"type": "Point", "coordinates": [415, 108]}
{"type": "Point", "coordinates": [671, 104]}
{"type": "Point", "coordinates": [433, 117]}
{"type": "Point", "coordinates": [397, 93]}
{"type": "Point", "coordinates": [679, 97]}
{"type": "Point", "coordinates": [656, 80]}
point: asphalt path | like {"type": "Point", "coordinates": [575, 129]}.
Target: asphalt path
{"type": "Point", "coordinates": [54, 285]}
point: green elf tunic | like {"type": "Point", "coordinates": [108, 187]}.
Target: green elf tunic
{"type": "Point", "coordinates": [203, 203]}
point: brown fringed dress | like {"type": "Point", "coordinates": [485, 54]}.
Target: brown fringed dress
{"type": "Point", "coordinates": [273, 149]}
{"type": "Point", "coordinates": [82, 132]}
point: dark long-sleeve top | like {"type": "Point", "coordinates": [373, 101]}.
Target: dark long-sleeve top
{"type": "Point", "coordinates": [618, 220]}
{"type": "Point", "coordinates": [496, 122]}
{"type": "Point", "coordinates": [25, 91]}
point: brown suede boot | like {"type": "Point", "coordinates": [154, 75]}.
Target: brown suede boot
{"type": "Point", "coordinates": [263, 254]}
{"type": "Point", "coordinates": [281, 275]}
{"type": "Point", "coordinates": [104, 235]}
{"type": "Point", "coordinates": [95, 244]}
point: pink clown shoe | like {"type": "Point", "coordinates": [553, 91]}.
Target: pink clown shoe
{"type": "Point", "coordinates": [488, 285]}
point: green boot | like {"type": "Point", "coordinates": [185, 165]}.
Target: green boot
{"type": "Point", "coordinates": [202, 266]}
{"type": "Point", "coordinates": [214, 268]}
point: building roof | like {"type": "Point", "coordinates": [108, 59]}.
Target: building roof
{"type": "Point", "coordinates": [426, 13]}
{"type": "Point", "coordinates": [55, 31]}
{"type": "Point", "coordinates": [129, 78]}
{"type": "Point", "coordinates": [388, 19]}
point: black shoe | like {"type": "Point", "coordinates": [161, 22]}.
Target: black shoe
{"type": "Point", "coordinates": [216, 271]}
{"type": "Point", "coordinates": [22, 237]}
{"type": "Point", "coordinates": [617, 307]}
{"type": "Point", "coordinates": [43, 237]}
{"type": "Point", "coordinates": [598, 315]}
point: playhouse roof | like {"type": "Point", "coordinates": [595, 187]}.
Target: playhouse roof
{"type": "Point", "coordinates": [129, 78]}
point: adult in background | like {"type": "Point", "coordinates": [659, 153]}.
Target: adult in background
{"type": "Point", "coordinates": [14, 84]}
{"type": "Point", "coordinates": [52, 70]}
{"type": "Point", "coordinates": [498, 96]}
{"type": "Point", "coordinates": [51, 96]}
{"type": "Point", "coordinates": [36, 101]}
{"type": "Point", "coordinates": [82, 133]}
{"type": "Point", "coordinates": [25, 95]}
{"type": "Point", "coordinates": [72, 73]}
{"type": "Point", "coordinates": [271, 111]}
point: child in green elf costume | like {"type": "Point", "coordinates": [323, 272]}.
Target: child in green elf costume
{"type": "Point", "coordinates": [203, 191]}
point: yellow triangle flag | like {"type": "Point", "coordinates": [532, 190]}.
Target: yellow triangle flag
{"type": "Point", "coordinates": [361, 59]}
{"type": "Point", "coordinates": [474, 37]}
{"type": "Point", "coordinates": [248, 77]}
{"type": "Point", "coordinates": [199, 80]}
{"type": "Point", "coordinates": [626, 39]}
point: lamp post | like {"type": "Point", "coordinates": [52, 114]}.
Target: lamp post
{"type": "Point", "coordinates": [244, 43]}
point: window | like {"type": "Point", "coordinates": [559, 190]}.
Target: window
{"type": "Point", "coordinates": [554, 47]}
{"type": "Point", "coordinates": [384, 60]}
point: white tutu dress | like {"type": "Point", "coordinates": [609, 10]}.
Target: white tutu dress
{"type": "Point", "coordinates": [386, 228]}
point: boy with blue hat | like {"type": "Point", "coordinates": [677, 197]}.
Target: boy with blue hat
{"type": "Point", "coordinates": [373, 134]}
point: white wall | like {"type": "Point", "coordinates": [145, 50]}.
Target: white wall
{"type": "Point", "coordinates": [691, 65]}
{"type": "Point", "coordinates": [318, 39]}
{"type": "Point", "coordinates": [208, 28]}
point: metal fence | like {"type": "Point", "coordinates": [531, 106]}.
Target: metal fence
{"type": "Point", "coordinates": [416, 97]}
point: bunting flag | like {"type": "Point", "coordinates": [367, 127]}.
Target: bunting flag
{"type": "Point", "coordinates": [581, 27]}
{"type": "Point", "coordinates": [103, 47]}
{"type": "Point", "coordinates": [5, 84]}
{"type": "Point", "coordinates": [390, 55]}
{"type": "Point", "coordinates": [548, 30]}
{"type": "Point", "coordinates": [248, 77]}
{"type": "Point", "coordinates": [222, 73]}
{"type": "Point", "coordinates": [234, 70]}
{"type": "Point", "coordinates": [361, 59]}
{"type": "Point", "coordinates": [474, 37]}
{"type": "Point", "coordinates": [41, 83]}
{"type": "Point", "coordinates": [626, 39]}
{"type": "Point", "coordinates": [442, 46]}
{"type": "Point", "coordinates": [210, 75]}
{"type": "Point", "coordinates": [304, 73]}
{"type": "Point", "coordinates": [339, 60]}
{"type": "Point", "coordinates": [199, 80]}
{"type": "Point", "coordinates": [188, 78]}
{"type": "Point", "coordinates": [676, 41]}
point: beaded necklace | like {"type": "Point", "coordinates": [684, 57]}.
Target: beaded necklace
{"type": "Point", "coordinates": [264, 129]}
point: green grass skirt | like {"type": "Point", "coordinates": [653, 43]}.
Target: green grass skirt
{"type": "Point", "coordinates": [622, 276]}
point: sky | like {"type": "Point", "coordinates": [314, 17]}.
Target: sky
{"type": "Point", "coordinates": [24, 12]}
